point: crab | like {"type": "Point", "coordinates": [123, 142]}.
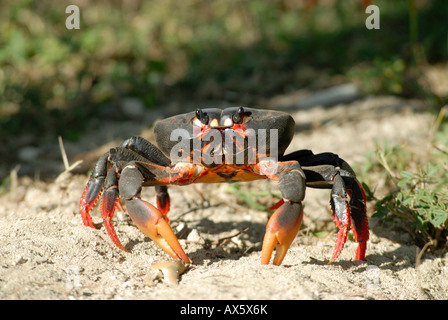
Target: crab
{"type": "Point", "coordinates": [224, 145]}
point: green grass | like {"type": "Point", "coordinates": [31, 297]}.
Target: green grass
{"type": "Point", "coordinates": [417, 188]}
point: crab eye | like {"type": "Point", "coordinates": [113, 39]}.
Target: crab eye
{"type": "Point", "coordinates": [201, 116]}
{"type": "Point", "coordinates": [240, 116]}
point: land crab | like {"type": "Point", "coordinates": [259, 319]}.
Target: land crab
{"type": "Point", "coordinates": [214, 145]}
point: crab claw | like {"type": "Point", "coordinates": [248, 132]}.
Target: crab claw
{"type": "Point", "coordinates": [281, 230]}
{"type": "Point", "coordinates": [153, 223]}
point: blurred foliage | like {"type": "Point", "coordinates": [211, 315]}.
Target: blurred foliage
{"type": "Point", "coordinates": [52, 80]}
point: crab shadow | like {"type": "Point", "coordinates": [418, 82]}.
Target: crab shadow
{"type": "Point", "coordinates": [228, 240]}
{"type": "Point", "coordinates": [233, 240]}
{"type": "Point", "coordinates": [399, 258]}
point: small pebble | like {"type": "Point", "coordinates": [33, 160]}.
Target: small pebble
{"type": "Point", "coordinates": [171, 270]}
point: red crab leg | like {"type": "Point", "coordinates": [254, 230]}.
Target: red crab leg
{"type": "Point", "coordinates": [361, 237]}
{"type": "Point", "coordinates": [349, 215]}
{"type": "Point", "coordinates": [85, 207]}
{"type": "Point", "coordinates": [341, 213]}
{"type": "Point", "coordinates": [163, 201]}
{"type": "Point", "coordinates": [281, 231]}
{"type": "Point", "coordinates": [276, 205]}
{"type": "Point", "coordinates": [109, 203]}
{"type": "Point", "coordinates": [360, 228]}
{"type": "Point", "coordinates": [93, 190]}
{"type": "Point", "coordinates": [341, 237]}
{"type": "Point", "coordinates": [89, 198]}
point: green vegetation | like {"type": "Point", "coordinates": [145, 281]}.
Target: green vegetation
{"type": "Point", "coordinates": [52, 80]}
{"type": "Point", "coordinates": [417, 188]}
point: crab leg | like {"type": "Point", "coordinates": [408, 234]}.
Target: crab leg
{"type": "Point", "coordinates": [109, 203]}
{"type": "Point", "coordinates": [89, 198]}
{"type": "Point", "coordinates": [284, 224]}
{"type": "Point", "coordinates": [359, 222]}
{"type": "Point", "coordinates": [93, 190]}
{"type": "Point", "coordinates": [148, 218]}
{"type": "Point", "coordinates": [163, 200]}
{"type": "Point", "coordinates": [341, 212]}
{"type": "Point", "coordinates": [348, 200]}
{"type": "Point", "coordinates": [349, 214]}
{"type": "Point", "coordinates": [153, 155]}
{"type": "Point", "coordinates": [135, 148]}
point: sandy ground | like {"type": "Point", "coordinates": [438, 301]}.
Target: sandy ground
{"type": "Point", "coordinates": [47, 253]}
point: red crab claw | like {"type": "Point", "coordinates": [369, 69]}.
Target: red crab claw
{"type": "Point", "coordinates": [153, 223]}
{"type": "Point", "coordinates": [281, 230]}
